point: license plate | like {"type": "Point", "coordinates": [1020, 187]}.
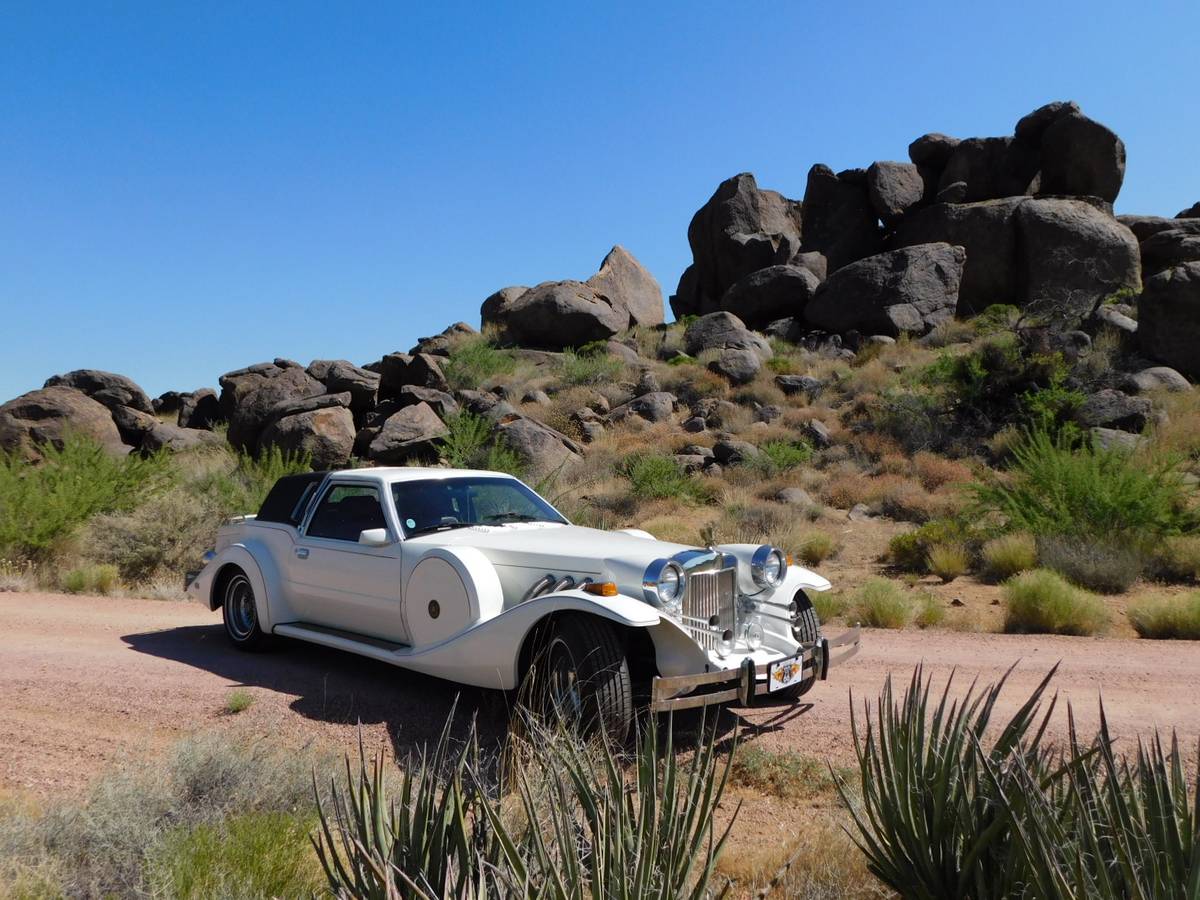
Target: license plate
{"type": "Point", "coordinates": [784, 673]}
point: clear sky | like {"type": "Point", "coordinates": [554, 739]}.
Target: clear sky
{"type": "Point", "coordinates": [187, 188]}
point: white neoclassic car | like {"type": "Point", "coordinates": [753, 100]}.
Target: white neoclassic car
{"type": "Point", "coordinates": [472, 577]}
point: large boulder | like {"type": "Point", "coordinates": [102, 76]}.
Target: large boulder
{"type": "Point", "coordinates": [411, 394]}
{"type": "Point", "coordinates": [496, 307]}
{"type": "Point", "coordinates": [408, 434]}
{"type": "Point", "coordinates": [1143, 227]}
{"type": "Point", "coordinates": [1113, 409]}
{"type": "Point", "coordinates": [105, 387]}
{"type": "Point", "coordinates": [987, 233]}
{"type": "Point", "coordinates": [173, 439]}
{"type": "Point", "coordinates": [46, 416]}
{"type": "Point", "coordinates": [655, 406]}
{"type": "Point", "coordinates": [254, 406]}
{"type": "Point", "coordinates": [991, 168]}
{"type": "Point", "coordinates": [772, 293]}
{"type": "Point", "coordinates": [440, 344]}
{"type": "Point", "coordinates": [839, 220]}
{"type": "Point", "coordinates": [396, 370]}
{"type": "Point", "coordinates": [539, 447]}
{"type": "Point", "coordinates": [723, 331]}
{"type": "Point", "coordinates": [1169, 318]}
{"type": "Point", "coordinates": [325, 434]}
{"type": "Point", "coordinates": [894, 188]}
{"type": "Point", "coordinates": [239, 383]}
{"type": "Point", "coordinates": [1072, 254]}
{"type": "Point", "coordinates": [737, 366]}
{"type": "Point", "coordinates": [626, 282]}
{"type": "Point", "coordinates": [1192, 212]}
{"type": "Point", "coordinates": [199, 409]}
{"type": "Point", "coordinates": [1032, 127]}
{"type": "Point", "coordinates": [741, 229]}
{"type": "Point", "coordinates": [906, 291]}
{"type": "Point", "coordinates": [1081, 157]}
{"type": "Point", "coordinates": [559, 314]}
{"type": "Point", "coordinates": [1167, 249]}
{"type": "Point", "coordinates": [933, 150]}
{"type": "Point", "coordinates": [340, 375]}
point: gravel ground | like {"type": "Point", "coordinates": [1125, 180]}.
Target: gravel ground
{"type": "Point", "coordinates": [85, 681]}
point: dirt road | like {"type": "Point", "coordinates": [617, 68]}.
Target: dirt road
{"type": "Point", "coordinates": [87, 680]}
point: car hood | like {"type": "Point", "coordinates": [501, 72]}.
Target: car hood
{"type": "Point", "coordinates": [560, 549]}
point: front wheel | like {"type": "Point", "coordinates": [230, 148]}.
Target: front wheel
{"type": "Point", "coordinates": [807, 630]}
{"type": "Point", "coordinates": [580, 677]}
{"type": "Point", "coordinates": [240, 613]}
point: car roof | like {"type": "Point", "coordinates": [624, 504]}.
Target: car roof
{"type": "Point", "coordinates": [393, 474]}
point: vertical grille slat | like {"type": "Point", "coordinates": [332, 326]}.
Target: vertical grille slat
{"type": "Point", "coordinates": [710, 594]}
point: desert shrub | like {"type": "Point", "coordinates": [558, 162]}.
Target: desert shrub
{"type": "Point", "coordinates": [951, 331]}
{"type": "Point", "coordinates": [930, 611]}
{"type": "Point", "coordinates": [240, 484]}
{"type": "Point", "coordinates": [1176, 558]}
{"type": "Point", "coordinates": [162, 537]}
{"type": "Point", "coordinates": [880, 603]}
{"type": "Point", "coordinates": [475, 360]}
{"type": "Point", "coordinates": [91, 579]}
{"type": "Point", "coordinates": [948, 561]}
{"type": "Point", "coordinates": [238, 701]}
{"type": "Point", "coordinates": [469, 443]}
{"type": "Point", "coordinates": [655, 476]}
{"type": "Point", "coordinates": [996, 318]}
{"type": "Point", "coordinates": [935, 471]}
{"type": "Point", "coordinates": [40, 504]}
{"type": "Point", "coordinates": [781, 456]}
{"type": "Point", "coordinates": [814, 547]}
{"type": "Point", "coordinates": [1108, 566]}
{"type": "Point", "coordinates": [828, 604]}
{"type": "Point", "coordinates": [914, 420]}
{"type": "Point", "coordinates": [589, 366]}
{"type": "Point", "coordinates": [1163, 617]}
{"type": "Point", "coordinates": [1058, 488]}
{"type": "Point", "coordinates": [910, 551]}
{"type": "Point", "coordinates": [266, 854]}
{"type": "Point", "coordinates": [780, 773]}
{"type": "Point", "coordinates": [1042, 602]}
{"type": "Point", "coordinates": [1008, 555]}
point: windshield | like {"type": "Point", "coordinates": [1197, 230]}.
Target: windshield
{"type": "Point", "coordinates": [443, 504]}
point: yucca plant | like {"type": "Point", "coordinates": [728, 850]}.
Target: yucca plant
{"type": "Point", "coordinates": [930, 821]}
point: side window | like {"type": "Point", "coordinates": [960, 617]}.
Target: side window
{"type": "Point", "coordinates": [345, 511]}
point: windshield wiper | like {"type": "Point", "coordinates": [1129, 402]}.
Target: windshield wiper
{"type": "Point", "coordinates": [512, 517]}
{"type": "Point", "coordinates": [442, 526]}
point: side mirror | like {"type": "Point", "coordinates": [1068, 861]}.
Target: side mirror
{"type": "Point", "coordinates": [375, 537]}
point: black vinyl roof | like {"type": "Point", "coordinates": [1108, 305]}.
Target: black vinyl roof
{"type": "Point", "coordinates": [289, 497]}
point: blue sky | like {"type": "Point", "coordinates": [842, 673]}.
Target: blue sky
{"type": "Point", "coordinates": [187, 188]}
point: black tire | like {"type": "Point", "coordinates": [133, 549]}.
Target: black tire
{"type": "Point", "coordinates": [240, 612]}
{"type": "Point", "coordinates": [806, 630]}
{"type": "Point", "coordinates": [580, 677]}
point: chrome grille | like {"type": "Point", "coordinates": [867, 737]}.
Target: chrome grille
{"type": "Point", "coordinates": [710, 594]}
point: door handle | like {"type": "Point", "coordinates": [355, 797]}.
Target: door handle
{"type": "Point", "coordinates": [302, 552]}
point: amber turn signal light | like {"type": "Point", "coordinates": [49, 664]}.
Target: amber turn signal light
{"type": "Point", "coordinates": [601, 589]}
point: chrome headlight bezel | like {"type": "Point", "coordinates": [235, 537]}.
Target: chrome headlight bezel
{"type": "Point", "coordinates": [761, 569]}
{"type": "Point", "coordinates": [664, 584]}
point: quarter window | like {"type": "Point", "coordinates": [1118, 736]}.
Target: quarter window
{"type": "Point", "coordinates": [345, 512]}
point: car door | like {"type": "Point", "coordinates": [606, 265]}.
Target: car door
{"type": "Point", "coordinates": [336, 581]}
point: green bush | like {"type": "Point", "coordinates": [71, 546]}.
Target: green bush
{"type": "Point", "coordinates": [469, 443]}
{"type": "Point", "coordinates": [1008, 555]}
{"type": "Point", "coordinates": [589, 366]}
{"type": "Point", "coordinates": [880, 603]}
{"type": "Point", "coordinates": [656, 476]}
{"type": "Point", "coordinates": [780, 773]}
{"type": "Point", "coordinates": [40, 504]}
{"type": "Point", "coordinates": [239, 486]}
{"type": "Point", "coordinates": [1166, 618]}
{"type": "Point", "coordinates": [475, 360]}
{"type": "Point", "coordinates": [265, 854]}
{"type": "Point", "coordinates": [930, 612]}
{"type": "Point", "coordinates": [815, 547]}
{"type": "Point", "coordinates": [948, 561]}
{"type": "Point", "coordinates": [781, 456]}
{"type": "Point", "coordinates": [1108, 566]}
{"type": "Point", "coordinates": [828, 604]}
{"type": "Point", "coordinates": [92, 579]}
{"type": "Point", "coordinates": [910, 551]}
{"type": "Point", "coordinates": [1060, 489]}
{"type": "Point", "coordinates": [1176, 558]}
{"type": "Point", "coordinates": [238, 701]}
{"type": "Point", "coordinates": [1042, 602]}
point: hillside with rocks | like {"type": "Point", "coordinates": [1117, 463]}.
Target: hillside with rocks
{"type": "Point", "coordinates": [844, 375]}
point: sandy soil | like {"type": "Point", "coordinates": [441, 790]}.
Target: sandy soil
{"type": "Point", "coordinates": [85, 681]}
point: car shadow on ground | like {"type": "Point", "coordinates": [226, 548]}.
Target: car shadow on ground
{"type": "Point", "coordinates": [338, 687]}
{"type": "Point", "coordinates": [342, 688]}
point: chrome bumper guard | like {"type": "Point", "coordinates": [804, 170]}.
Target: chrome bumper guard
{"type": "Point", "coordinates": [740, 685]}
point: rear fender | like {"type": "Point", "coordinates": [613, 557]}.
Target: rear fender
{"type": "Point", "coordinates": [264, 577]}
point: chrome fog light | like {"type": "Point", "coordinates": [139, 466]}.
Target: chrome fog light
{"type": "Point", "coordinates": [752, 633]}
{"type": "Point", "coordinates": [767, 566]}
{"type": "Point", "coordinates": [725, 644]}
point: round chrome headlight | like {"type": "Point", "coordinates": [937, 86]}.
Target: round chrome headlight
{"type": "Point", "coordinates": [663, 585]}
{"type": "Point", "coordinates": [768, 565]}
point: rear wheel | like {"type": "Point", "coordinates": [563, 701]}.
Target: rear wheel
{"type": "Point", "coordinates": [240, 612]}
{"type": "Point", "coordinates": [580, 677]}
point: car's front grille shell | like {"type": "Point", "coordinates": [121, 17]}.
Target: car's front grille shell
{"type": "Point", "coordinates": [708, 595]}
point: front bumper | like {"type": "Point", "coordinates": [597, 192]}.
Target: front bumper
{"type": "Point", "coordinates": [743, 684]}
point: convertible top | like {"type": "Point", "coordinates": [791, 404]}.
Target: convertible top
{"type": "Point", "coordinates": [289, 497]}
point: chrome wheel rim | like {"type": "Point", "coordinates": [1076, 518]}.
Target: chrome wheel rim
{"type": "Point", "coordinates": [240, 614]}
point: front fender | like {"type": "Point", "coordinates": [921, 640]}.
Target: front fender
{"type": "Point", "coordinates": [259, 567]}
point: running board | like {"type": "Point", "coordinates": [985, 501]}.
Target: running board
{"type": "Point", "coordinates": [363, 645]}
